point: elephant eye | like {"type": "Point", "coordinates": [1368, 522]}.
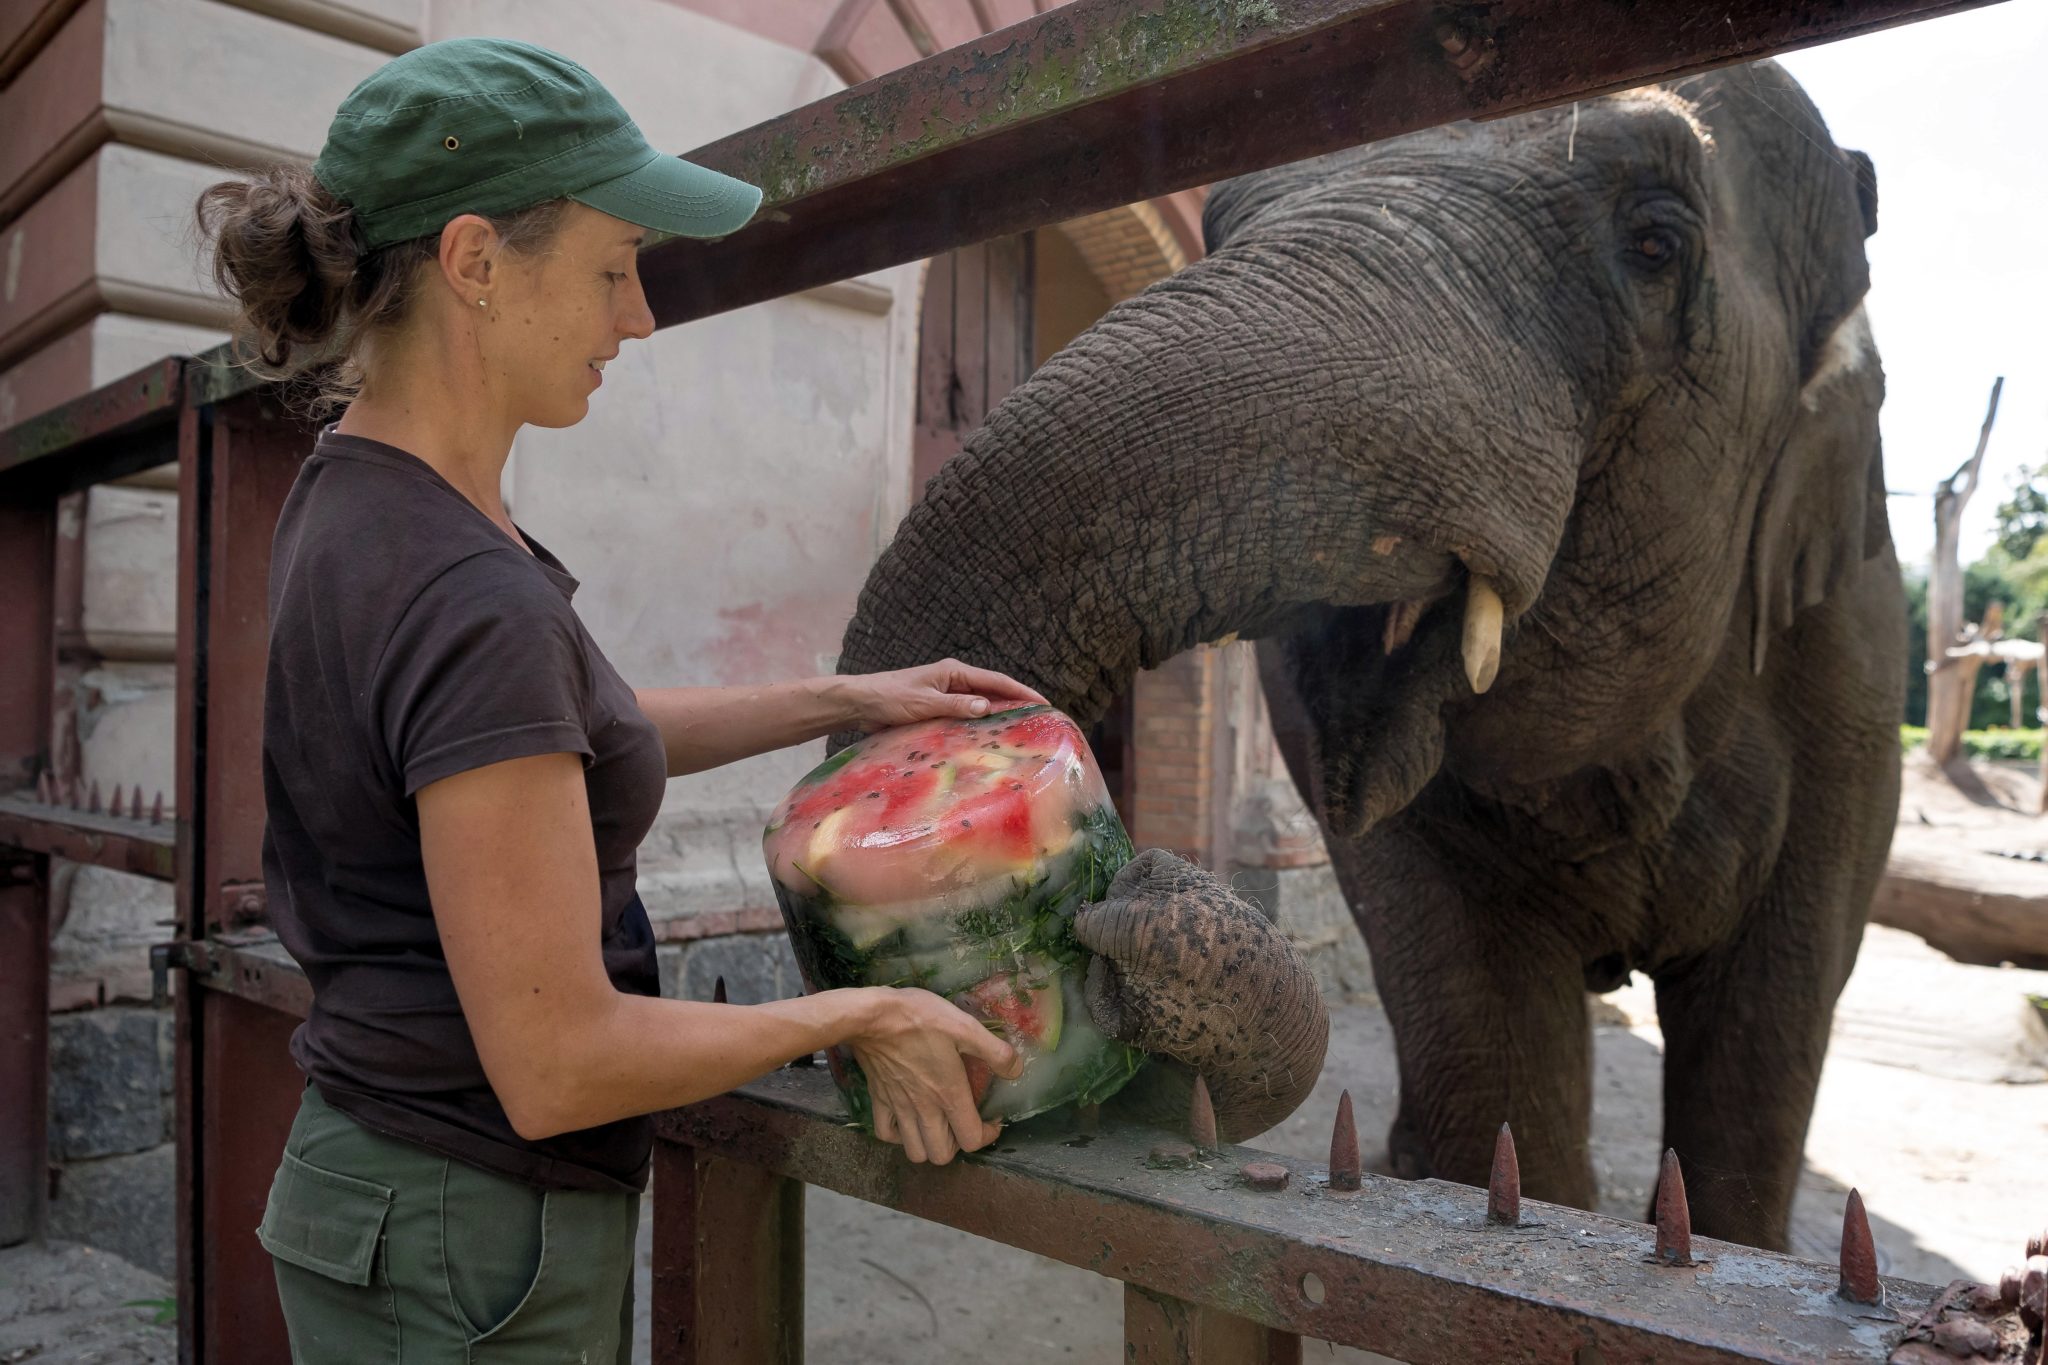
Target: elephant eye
{"type": "Point", "coordinates": [1654, 247]}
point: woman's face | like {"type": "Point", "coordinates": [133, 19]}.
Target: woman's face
{"type": "Point", "coordinates": [557, 314]}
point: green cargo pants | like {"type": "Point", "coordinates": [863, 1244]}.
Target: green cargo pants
{"type": "Point", "coordinates": [389, 1254]}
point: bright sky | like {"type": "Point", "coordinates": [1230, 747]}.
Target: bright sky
{"type": "Point", "coordinates": [1949, 110]}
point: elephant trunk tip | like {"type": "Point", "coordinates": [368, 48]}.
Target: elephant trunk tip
{"type": "Point", "coordinates": [1504, 1185]}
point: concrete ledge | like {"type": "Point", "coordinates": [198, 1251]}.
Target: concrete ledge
{"type": "Point", "coordinates": [391, 26]}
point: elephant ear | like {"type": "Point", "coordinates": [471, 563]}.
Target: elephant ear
{"type": "Point", "coordinates": [1822, 513]}
{"type": "Point", "coordinates": [1236, 204]}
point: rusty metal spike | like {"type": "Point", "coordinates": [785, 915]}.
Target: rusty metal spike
{"type": "Point", "coordinates": [115, 808]}
{"type": "Point", "coordinates": [718, 991]}
{"type": "Point", "coordinates": [1202, 1118]}
{"type": "Point", "coordinates": [94, 807]}
{"type": "Point", "coordinates": [2009, 1289]}
{"type": "Point", "coordinates": [1504, 1186]}
{"type": "Point", "coordinates": [1344, 1170]}
{"type": "Point", "coordinates": [1859, 1255]}
{"type": "Point", "coordinates": [1674, 1216]}
{"type": "Point", "coordinates": [2037, 1246]}
{"type": "Point", "coordinates": [46, 790]}
{"type": "Point", "coordinates": [156, 810]}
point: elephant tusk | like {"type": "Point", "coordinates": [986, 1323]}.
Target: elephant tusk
{"type": "Point", "coordinates": [1402, 618]}
{"type": "Point", "coordinates": [1482, 634]}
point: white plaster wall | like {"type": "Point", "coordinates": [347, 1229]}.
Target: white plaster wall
{"type": "Point", "coordinates": [127, 727]}
{"type": "Point", "coordinates": [737, 476]}
{"type": "Point", "coordinates": [199, 70]}
{"type": "Point", "coordinates": [131, 571]}
{"type": "Point", "coordinates": [722, 503]}
{"type": "Point", "coordinates": [144, 238]}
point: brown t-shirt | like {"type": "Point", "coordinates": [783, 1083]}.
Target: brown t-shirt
{"type": "Point", "coordinates": [412, 639]}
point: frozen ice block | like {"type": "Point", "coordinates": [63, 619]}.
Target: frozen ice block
{"type": "Point", "coordinates": [952, 855]}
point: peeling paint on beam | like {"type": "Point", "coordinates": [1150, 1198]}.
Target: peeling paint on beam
{"type": "Point", "coordinates": [95, 437]}
{"type": "Point", "coordinates": [1100, 103]}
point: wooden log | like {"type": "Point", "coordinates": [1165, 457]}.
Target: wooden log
{"type": "Point", "coordinates": [1974, 906]}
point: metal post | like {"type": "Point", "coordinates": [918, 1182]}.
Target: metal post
{"type": "Point", "coordinates": [1159, 1330]}
{"type": "Point", "coordinates": [728, 1262]}
{"type": "Point", "coordinates": [27, 566]}
{"type": "Point", "coordinates": [237, 1086]}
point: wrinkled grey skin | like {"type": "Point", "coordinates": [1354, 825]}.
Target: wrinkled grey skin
{"type": "Point", "coordinates": [1616, 367]}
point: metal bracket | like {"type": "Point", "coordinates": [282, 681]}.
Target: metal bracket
{"type": "Point", "coordinates": [178, 953]}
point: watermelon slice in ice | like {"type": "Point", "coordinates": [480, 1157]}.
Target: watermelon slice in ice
{"type": "Point", "coordinates": [952, 855]}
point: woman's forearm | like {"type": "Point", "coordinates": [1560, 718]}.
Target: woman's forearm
{"type": "Point", "coordinates": [705, 727]}
{"type": "Point", "coordinates": [643, 1054]}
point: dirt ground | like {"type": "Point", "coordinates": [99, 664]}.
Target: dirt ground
{"type": "Point", "coordinates": [1934, 1103]}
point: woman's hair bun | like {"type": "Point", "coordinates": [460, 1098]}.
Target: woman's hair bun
{"type": "Point", "coordinates": [285, 250]}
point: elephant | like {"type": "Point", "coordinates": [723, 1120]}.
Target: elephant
{"type": "Point", "coordinates": [1540, 457]}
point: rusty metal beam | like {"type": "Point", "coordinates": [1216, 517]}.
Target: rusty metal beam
{"type": "Point", "coordinates": [728, 1262]}
{"type": "Point", "coordinates": [1100, 103]}
{"type": "Point", "coordinates": [28, 559]}
{"type": "Point", "coordinates": [1162, 1330]}
{"type": "Point", "coordinates": [121, 843]}
{"type": "Point", "coordinates": [1411, 1269]}
{"type": "Point", "coordinates": [116, 430]}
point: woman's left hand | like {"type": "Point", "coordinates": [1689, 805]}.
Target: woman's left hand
{"type": "Point", "coordinates": [947, 688]}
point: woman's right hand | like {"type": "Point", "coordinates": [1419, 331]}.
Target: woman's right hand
{"type": "Point", "coordinates": [911, 1051]}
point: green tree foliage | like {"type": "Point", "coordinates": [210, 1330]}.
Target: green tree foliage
{"type": "Point", "coordinates": [2023, 517]}
{"type": "Point", "coordinates": [2015, 572]}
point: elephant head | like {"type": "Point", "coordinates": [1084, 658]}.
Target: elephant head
{"type": "Point", "coordinates": [1505, 435]}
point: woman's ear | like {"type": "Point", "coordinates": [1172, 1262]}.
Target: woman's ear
{"type": "Point", "coordinates": [469, 246]}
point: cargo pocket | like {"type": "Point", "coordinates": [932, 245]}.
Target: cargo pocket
{"type": "Point", "coordinates": [493, 1246]}
{"type": "Point", "coordinates": [325, 1231]}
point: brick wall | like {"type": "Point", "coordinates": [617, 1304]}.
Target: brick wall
{"type": "Point", "coordinates": [1177, 784]}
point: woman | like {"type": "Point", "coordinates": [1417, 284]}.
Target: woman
{"type": "Point", "coordinates": [456, 778]}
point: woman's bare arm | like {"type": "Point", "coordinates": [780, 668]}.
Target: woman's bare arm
{"type": "Point", "coordinates": [707, 727]}
{"type": "Point", "coordinates": [512, 872]}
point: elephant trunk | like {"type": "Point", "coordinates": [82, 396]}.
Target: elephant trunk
{"type": "Point", "coordinates": [1239, 451]}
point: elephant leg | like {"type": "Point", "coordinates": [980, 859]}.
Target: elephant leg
{"type": "Point", "coordinates": [1488, 1009]}
{"type": "Point", "coordinates": [1489, 1020]}
{"type": "Point", "coordinates": [1745, 1031]}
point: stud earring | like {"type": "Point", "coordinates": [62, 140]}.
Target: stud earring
{"type": "Point", "coordinates": [481, 303]}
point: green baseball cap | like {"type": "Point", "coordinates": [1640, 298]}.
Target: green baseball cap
{"type": "Point", "coordinates": [491, 126]}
